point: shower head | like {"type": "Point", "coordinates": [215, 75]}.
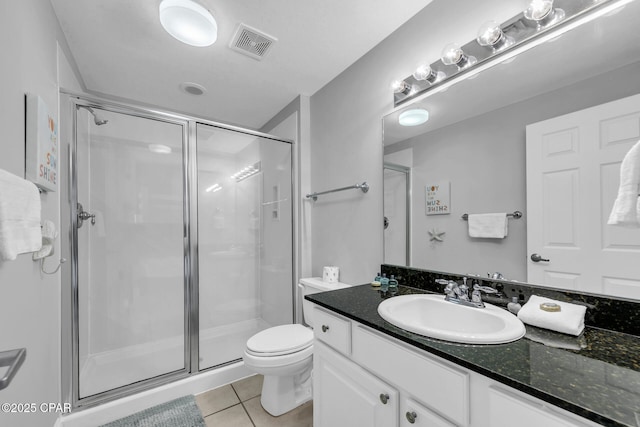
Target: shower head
{"type": "Point", "coordinates": [98, 121]}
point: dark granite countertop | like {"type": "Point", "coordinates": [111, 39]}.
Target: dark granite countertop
{"type": "Point", "coordinates": [597, 375]}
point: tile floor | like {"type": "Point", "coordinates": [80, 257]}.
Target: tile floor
{"type": "Point", "coordinates": [238, 405]}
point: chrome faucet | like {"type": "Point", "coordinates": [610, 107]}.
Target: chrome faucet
{"type": "Point", "coordinates": [459, 294]}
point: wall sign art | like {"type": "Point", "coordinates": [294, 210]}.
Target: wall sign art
{"type": "Point", "coordinates": [438, 199]}
{"type": "Point", "coordinates": [41, 145]}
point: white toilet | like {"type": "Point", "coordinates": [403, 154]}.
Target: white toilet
{"type": "Point", "coordinates": [284, 355]}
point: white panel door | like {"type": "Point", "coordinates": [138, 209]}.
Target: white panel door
{"type": "Point", "coordinates": [573, 167]}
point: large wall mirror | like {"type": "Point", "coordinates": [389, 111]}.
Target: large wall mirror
{"type": "Point", "coordinates": [475, 143]}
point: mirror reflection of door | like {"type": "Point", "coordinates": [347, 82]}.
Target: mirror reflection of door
{"type": "Point", "coordinates": [573, 169]}
{"type": "Point", "coordinates": [396, 221]}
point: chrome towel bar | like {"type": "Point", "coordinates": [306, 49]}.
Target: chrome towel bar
{"type": "Point", "coordinates": [515, 214]}
{"type": "Point", "coordinates": [364, 187]}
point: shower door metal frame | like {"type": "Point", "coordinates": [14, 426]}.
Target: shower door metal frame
{"type": "Point", "coordinates": [190, 242]}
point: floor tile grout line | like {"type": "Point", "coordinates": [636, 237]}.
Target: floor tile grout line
{"type": "Point", "coordinates": [243, 407]}
{"type": "Point", "coordinates": [248, 414]}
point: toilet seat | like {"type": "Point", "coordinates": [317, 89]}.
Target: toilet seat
{"type": "Point", "coordinates": [280, 341]}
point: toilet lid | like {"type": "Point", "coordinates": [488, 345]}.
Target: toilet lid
{"type": "Point", "coordinates": [280, 340]}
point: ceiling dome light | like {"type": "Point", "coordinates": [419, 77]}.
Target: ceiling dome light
{"type": "Point", "coordinates": [188, 22]}
{"type": "Point", "coordinates": [413, 117]}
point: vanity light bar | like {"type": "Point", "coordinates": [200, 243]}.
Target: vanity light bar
{"type": "Point", "coordinates": [519, 34]}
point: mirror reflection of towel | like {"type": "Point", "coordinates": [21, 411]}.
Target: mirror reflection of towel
{"type": "Point", "coordinates": [491, 225]}
{"type": "Point", "coordinates": [626, 209]}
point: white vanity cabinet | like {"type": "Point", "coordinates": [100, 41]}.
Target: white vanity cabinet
{"type": "Point", "coordinates": [505, 406]}
{"type": "Point", "coordinates": [365, 378]}
{"type": "Point", "coordinates": [348, 395]}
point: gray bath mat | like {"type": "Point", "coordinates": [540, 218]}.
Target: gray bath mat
{"type": "Point", "coordinates": [182, 412]}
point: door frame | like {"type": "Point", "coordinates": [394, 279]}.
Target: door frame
{"type": "Point", "coordinates": [407, 171]}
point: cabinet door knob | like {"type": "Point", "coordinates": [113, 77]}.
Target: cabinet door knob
{"type": "Point", "coordinates": [411, 417]}
{"type": "Point", "coordinates": [384, 398]}
{"type": "Point", "coordinates": [325, 328]}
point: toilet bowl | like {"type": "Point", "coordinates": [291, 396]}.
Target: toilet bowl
{"type": "Point", "coordinates": [284, 356]}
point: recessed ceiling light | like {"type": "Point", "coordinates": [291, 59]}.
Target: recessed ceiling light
{"type": "Point", "coordinates": [192, 88]}
{"type": "Point", "coordinates": [413, 117]}
{"type": "Point", "coordinates": [188, 22]}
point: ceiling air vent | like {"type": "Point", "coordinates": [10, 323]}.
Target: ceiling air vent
{"type": "Point", "coordinates": [251, 42]}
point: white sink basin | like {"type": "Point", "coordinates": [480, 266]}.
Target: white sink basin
{"type": "Point", "coordinates": [432, 316]}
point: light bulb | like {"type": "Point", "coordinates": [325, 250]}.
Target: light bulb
{"type": "Point", "coordinates": [538, 9]}
{"type": "Point", "coordinates": [425, 72]}
{"type": "Point", "coordinates": [452, 54]}
{"type": "Point", "coordinates": [489, 34]}
{"type": "Point", "coordinates": [400, 86]}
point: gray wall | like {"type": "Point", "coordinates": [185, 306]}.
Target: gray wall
{"type": "Point", "coordinates": [346, 133]}
{"type": "Point", "coordinates": [346, 136]}
{"type": "Point", "coordinates": [32, 61]}
{"type": "Point", "coordinates": [484, 158]}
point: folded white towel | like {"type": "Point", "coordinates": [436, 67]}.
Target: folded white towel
{"type": "Point", "coordinates": [491, 225]}
{"type": "Point", "coordinates": [626, 208]}
{"type": "Point", "coordinates": [19, 216]}
{"type": "Point", "coordinates": [569, 320]}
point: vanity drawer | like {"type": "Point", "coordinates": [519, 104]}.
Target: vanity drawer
{"type": "Point", "coordinates": [442, 388]}
{"type": "Point", "coordinates": [333, 330]}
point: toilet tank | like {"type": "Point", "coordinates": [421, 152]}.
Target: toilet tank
{"type": "Point", "coordinates": [313, 285]}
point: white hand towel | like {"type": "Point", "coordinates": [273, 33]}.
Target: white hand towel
{"type": "Point", "coordinates": [569, 320]}
{"type": "Point", "coordinates": [626, 209]}
{"type": "Point", "coordinates": [491, 225]}
{"type": "Point", "coordinates": [19, 216]}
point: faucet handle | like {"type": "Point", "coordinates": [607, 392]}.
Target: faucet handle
{"type": "Point", "coordinates": [485, 289]}
{"type": "Point", "coordinates": [451, 290]}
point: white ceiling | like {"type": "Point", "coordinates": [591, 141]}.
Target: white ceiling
{"type": "Point", "coordinates": [122, 52]}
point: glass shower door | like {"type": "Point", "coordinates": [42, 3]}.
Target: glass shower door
{"type": "Point", "coordinates": [130, 250]}
{"type": "Point", "coordinates": [244, 240]}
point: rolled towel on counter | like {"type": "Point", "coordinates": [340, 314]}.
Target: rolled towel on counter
{"type": "Point", "coordinates": [568, 320]}
{"type": "Point", "coordinates": [490, 225]}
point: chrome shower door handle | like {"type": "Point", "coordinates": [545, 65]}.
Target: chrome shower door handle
{"type": "Point", "coordinates": [83, 216]}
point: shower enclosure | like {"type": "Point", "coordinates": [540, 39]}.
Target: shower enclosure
{"type": "Point", "coordinates": [181, 246]}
